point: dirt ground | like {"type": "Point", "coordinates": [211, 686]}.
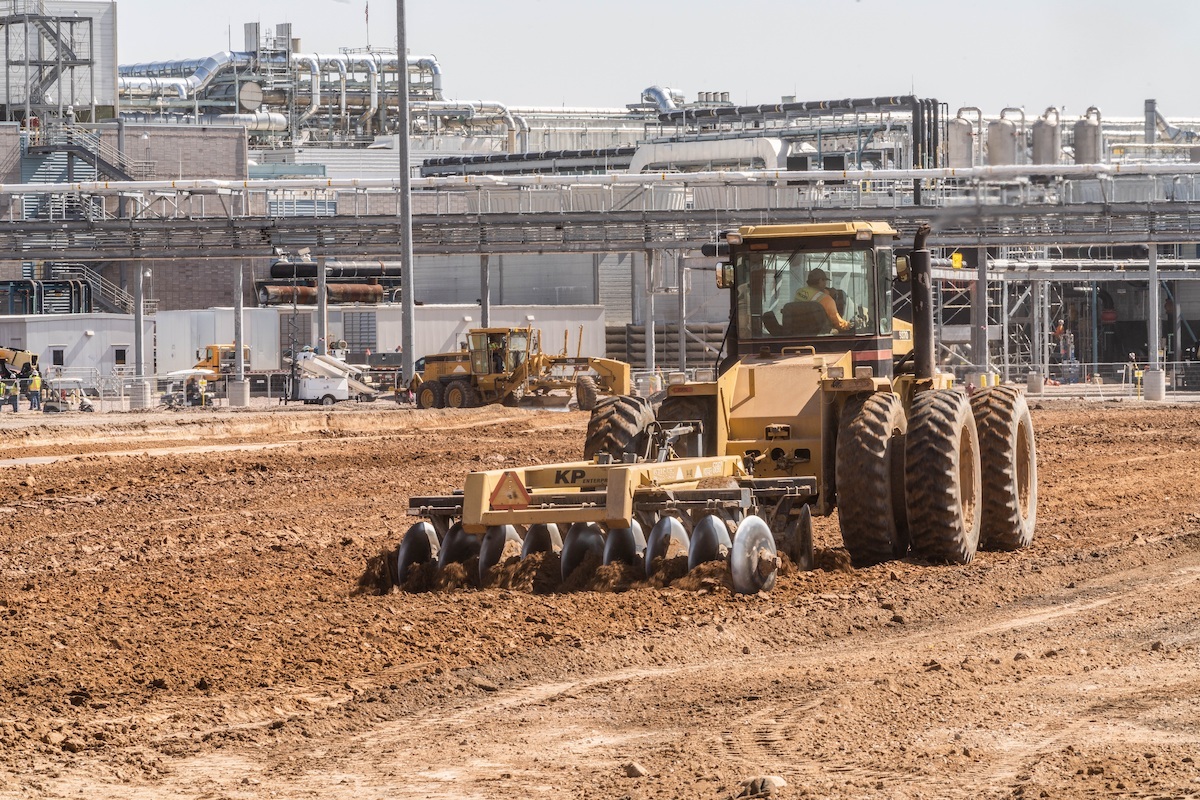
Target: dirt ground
{"type": "Point", "coordinates": [184, 613]}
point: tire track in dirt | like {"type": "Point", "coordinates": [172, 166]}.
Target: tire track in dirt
{"type": "Point", "coordinates": [571, 715]}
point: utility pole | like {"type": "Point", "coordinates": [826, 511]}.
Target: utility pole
{"type": "Point", "coordinates": [407, 301]}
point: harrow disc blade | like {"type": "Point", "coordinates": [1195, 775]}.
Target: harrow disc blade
{"type": "Point", "coordinates": [457, 547]}
{"type": "Point", "coordinates": [492, 547]}
{"type": "Point", "coordinates": [665, 531]}
{"type": "Point", "coordinates": [710, 541]}
{"type": "Point", "coordinates": [801, 538]}
{"type": "Point", "coordinates": [582, 538]}
{"type": "Point", "coordinates": [624, 545]}
{"type": "Point", "coordinates": [419, 545]}
{"type": "Point", "coordinates": [753, 561]}
{"type": "Point", "coordinates": [541, 538]}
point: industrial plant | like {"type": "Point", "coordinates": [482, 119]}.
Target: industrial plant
{"type": "Point", "coordinates": [505, 195]}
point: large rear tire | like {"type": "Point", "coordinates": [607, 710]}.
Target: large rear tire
{"type": "Point", "coordinates": [942, 477]}
{"type": "Point", "coordinates": [1008, 460]}
{"type": "Point", "coordinates": [461, 394]}
{"type": "Point", "coordinates": [618, 427]}
{"type": "Point", "coordinates": [430, 395]}
{"type": "Point", "coordinates": [680, 409]}
{"type": "Point", "coordinates": [870, 442]}
{"type": "Point", "coordinates": [587, 392]}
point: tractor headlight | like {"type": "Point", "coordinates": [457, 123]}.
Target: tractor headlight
{"type": "Point", "coordinates": [836, 373]}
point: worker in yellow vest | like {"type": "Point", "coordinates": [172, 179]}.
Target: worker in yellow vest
{"type": "Point", "coordinates": [35, 391]}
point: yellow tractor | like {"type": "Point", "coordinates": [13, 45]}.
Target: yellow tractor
{"type": "Point", "coordinates": [824, 402]}
{"type": "Point", "coordinates": [508, 365]}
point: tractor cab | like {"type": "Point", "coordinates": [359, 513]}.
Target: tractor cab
{"type": "Point", "coordinates": [826, 286]}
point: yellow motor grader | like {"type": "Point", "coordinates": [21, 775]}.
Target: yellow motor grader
{"type": "Point", "coordinates": [824, 402]}
{"type": "Point", "coordinates": [508, 365]}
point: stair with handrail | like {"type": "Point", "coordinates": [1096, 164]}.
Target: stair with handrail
{"type": "Point", "coordinates": [107, 294]}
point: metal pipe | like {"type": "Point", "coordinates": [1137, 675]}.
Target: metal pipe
{"type": "Point", "coordinates": [314, 67]}
{"type": "Point", "coordinates": [922, 304]}
{"type": "Point", "coordinates": [239, 356]}
{"type": "Point", "coordinates": [748, 177]}
{"type": "Point", "coordinates": [486, 109]}
{"type": "Point", "coordinates": [661, 97]}
{"type": "Point", "coordinates": [322, 309]}
{"type": "Point", "coordinates": [373, 83]}
{"type": "Point", "coordinates": [485, 291]}
{"type": "Point", "coordinates": [257, 121]}
{"type": "Point", "coordinates": [1153, 331]}
{"type": "Point", "coordinates": [338, 63]}
{"type": "Point", "coordinates": [408, 307]}
{"type": "Point", "coordinates": [186, 78]}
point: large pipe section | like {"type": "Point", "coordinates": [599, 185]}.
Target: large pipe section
{"type": "Point", "coordinates": [310, 295]}
{"type": "Point", "coordinates": [747, 177]}
{"type": "Point", "coordinates": [258, 121]}
{"type": "Point", "coordinates": [189, 78]}
{"type": "Point", "coordinates": [186, 78]}
{"type": "Point", "coordinates": [920, 274]}
{"type": "Point", "coordinates": [314, 71]}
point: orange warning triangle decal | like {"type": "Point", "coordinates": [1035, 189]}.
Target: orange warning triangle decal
{"type": "Point", "coordinates": [509, 493]}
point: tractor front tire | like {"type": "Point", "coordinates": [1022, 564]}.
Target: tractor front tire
{"type": "Point", "coordinates": [682, 409]}
{"type": "Point", "coordinates": [618, 427]}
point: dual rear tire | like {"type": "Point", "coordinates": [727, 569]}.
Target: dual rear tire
{"type": "Point", "coordinates": [961, 476]}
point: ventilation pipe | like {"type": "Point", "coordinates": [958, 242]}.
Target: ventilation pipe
{"type": "Point", "coordinates": [661, 97]}
{"type": "Point", "coordinates": [258, 121]}
{"type": "Point", "coordinates": [314, 67]}
{"type": "Point", "coordinates": [186, 78]}
{"type": "Point", "coordinates": [338, 63]}
{"type": "Point", "coordinates": [373, 84]}
{"type": "Point", "coordinates": [482, 109]}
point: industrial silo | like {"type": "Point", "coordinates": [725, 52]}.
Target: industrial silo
{"type": "Point", "coordinates": [1047, 137]}
{"type": "Point", "coordinates": [1089, 141]}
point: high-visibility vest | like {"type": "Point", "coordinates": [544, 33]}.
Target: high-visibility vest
{"type": "Point", "coordinates": [35, 383]}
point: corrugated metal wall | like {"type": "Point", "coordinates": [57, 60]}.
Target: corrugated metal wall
{"type": "Point", "coordinates": [515, 279]}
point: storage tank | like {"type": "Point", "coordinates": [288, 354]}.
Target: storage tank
{"type": "Point", "coordinates": [1047, 138]}
{"type": "Point", "coordinates": [1089, 141]}
{"type": "Point", "coordinates": [960, 142]}
{"type": "Point", "coordinates": [1001, 142]}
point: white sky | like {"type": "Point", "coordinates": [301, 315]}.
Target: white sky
{"type": "Point", "coordinates": [986, 53]}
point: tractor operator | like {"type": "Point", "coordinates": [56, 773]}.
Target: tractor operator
{"type": "Point", "coordinates": [816, 290]}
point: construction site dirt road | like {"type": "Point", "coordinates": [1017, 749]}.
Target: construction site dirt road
{"type": "Point", "coordinates": [188, 608]}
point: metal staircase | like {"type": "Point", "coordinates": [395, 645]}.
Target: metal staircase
{"type": "Point", "coordinates": [105, 294]}
{"type": "Point", "coordinates": [83, 145]}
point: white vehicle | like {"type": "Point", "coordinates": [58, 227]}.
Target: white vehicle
{"type": "Point", "coordinates": [325, 391]}
{"type": "Point", "coordinates": [64, 394]}
{"type": "Point", "coordinates": [327, 380]}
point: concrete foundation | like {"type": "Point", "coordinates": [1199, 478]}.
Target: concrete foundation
{"type": "Point", "coordinates": [238, 393]}
{"type": "Point", "coordinates": [1154, 384]}
{"type": "Point", "coordinates": [140, 395]}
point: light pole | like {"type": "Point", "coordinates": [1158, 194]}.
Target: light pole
{"type": "Point", "coordinates": [407, 303]}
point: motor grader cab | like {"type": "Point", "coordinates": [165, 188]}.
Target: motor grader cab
{"type": "Point", "coordinates": [508, 365]}
{"type": "Point", "coordinates": [14, 360]}
{"type": "Point", "coordinates": [822, 403]}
